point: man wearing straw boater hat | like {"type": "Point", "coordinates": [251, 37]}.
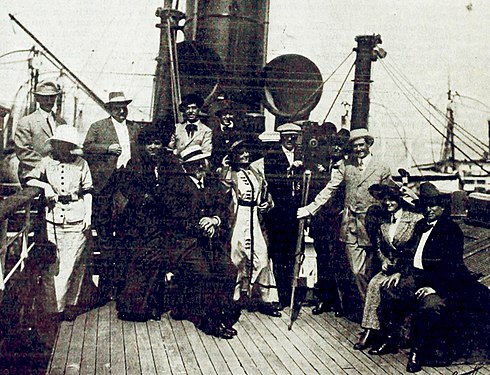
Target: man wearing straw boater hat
{"type": "Point", "coordinates": [197, 220]}
{"type": "Point", "coordinates": [361, 170]}
{"type": "Point", "coordinates": [34, 130]}
{"type": "Point", "coordinates": [110, 149]}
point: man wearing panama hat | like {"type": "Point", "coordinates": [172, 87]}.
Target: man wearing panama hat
{"type": "Point", "coordinates": [33, 130]}
{"type": "Point", "coordinates": [358, 173]}
{"type": "Point", "coordinates": [110, 149]}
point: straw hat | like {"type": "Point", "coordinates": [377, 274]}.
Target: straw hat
{"type": "Point", "coordinates": [193, 153]}
{"type": "Point", "coordinates": [47, 88]}
{"type": "Point", "coordinates": [361, 133]}
{"type": "Point", "coordinates": [66, 133]}
{"type": "Point", "coordinates": [117, 97]}
{"type": "Point", "coordinates": [289, 128]}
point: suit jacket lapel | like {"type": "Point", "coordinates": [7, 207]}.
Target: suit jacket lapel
{"type": "Point", "coordinates": [43, 124]}
{"type": "Point", "coordinates": [370, 169]}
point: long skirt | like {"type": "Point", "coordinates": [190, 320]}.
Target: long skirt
{"type": "Point", "coordinates": [249, 254]}
{"type": "Point", "coordinates": [66, 274]}
{"type": "Point", "coordinates": [370, 317]}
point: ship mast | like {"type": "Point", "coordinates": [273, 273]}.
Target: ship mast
{"type": "Point", "coordinates": [448, 153]}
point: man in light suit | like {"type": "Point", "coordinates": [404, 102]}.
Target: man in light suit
{"type": "Point", "coordinates": [34, 130]}
{"type": "Point", "coordinates": [192, 131]}
{"type": "Point", "coordinates": [361, 170]}
{"type": "Point", "coordinates": [111, 152]}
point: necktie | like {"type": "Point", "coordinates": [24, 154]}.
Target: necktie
{"type": "Point", "coordinates": [191, 128]}
{"type": "Point", "coordinates": [393, 219]}
{"type": "Point", "coordinates": [200, 185]}
{"type": "Point", "coordinates": [361, 165]}
{"type": "Point", "coordinates": [51, 122]}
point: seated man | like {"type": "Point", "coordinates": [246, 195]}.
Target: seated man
{"type": "Point", "coordinates": [431, 285]}
{"type": "Point", "coordinates": [197, 229]}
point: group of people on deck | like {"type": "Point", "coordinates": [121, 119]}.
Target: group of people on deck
{"type": "Point", "coordinates": [203, 221]}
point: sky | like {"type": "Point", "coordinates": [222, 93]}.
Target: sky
{"type": "Point", "coordinates": [431, 45]}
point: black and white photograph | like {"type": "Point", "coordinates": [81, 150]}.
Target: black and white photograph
{"type": "Point", "coordinates": [245, 187]}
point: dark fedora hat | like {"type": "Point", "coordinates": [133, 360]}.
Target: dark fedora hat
{"type": "Point", "coordinates": [192, 98]}
{"type": "Point", "coordinates": [430, 195]}
{"type": "Point", "coordinates": [383, 191]}
{"type": "Point", "coordinates": [225, 106]}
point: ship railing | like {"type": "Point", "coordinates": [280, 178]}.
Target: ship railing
{"type": "Point", "coordinates": [16, 234]}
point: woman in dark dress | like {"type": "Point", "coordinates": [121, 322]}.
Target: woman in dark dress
{"type": "Point", "coordinates": [142, 296]}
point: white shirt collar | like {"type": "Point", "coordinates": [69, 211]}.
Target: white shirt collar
{"type": "Point", "coordinates": [196, 181]}
{"type": "Point", "coordinates": [117, 123]}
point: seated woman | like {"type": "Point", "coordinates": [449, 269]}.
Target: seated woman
{"type": "Point", "coordinates": [256, 285]}
{"type": "Point", "coordinates": [394, 233]}
{"type": "Point", "coordinates": [142, 296]}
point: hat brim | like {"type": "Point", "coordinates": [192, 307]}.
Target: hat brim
{"type": "Point", "coordinates": [369, 139]}
{"type": "Point", "coordinates": [46, 93]}
{"type": "Point", "coordinates": [118, 102]}
{"type": "Point", "coordinates": [65, 141]}
{"type": "Point", "coordinates": [380, 192]}
{"type": "Point", "coordinates": [196, 158]}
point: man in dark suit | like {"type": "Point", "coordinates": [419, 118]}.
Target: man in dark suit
{"type": "Point", "coordinates": [192, 131]}
{"type": "Point", "coordinates": [430, 285]}
{"type": "Point", "coordinates": [34, 130]}
{"type": "Point", "coordinates": [283, 166]}
{"type": "Point", "coordinates": [197, 226]}
{"type": "Point", "coordinates": [111, 152]}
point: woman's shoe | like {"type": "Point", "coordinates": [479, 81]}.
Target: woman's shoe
{"type": "Point", "coordinates": [321, 307]}
{"type": "Point", "coordinates": [386, 347]}
{"type": "Point", "coordinates": [269, 309]}
{"type": "Point", "coordinates": [366, 339]}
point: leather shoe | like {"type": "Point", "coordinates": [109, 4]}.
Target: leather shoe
{"type": "Point", "coordinates": [413, 364]}
{"type": "Point", "coordinates": [339, 313]}
{"type": "Point", "coordinates": [232, 330]}
{"type": "Point", "coordinates": [386, 347]}
{"type": "Point", "coordinates": [270, 310]}
{"type": "Point", "coordinates": [320, 308]}
{"type": "Point", "coordinates": [366, 339]}
{"type": "Point", "coordinates": [220, 331]}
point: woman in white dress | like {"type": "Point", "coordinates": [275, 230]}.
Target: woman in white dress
{"type": "Point", "coordinates": [256, 285]}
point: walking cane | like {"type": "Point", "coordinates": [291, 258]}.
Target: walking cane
{"type": "Point", "coordinates": [299, 254]}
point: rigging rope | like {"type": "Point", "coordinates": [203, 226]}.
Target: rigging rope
{"type": "Point", "coordinates": [323, 83]}
{"type": "Point", "coordinates": [427, 119]}
{"type": "Point", "coordinates": [473, 138]}
{"type": "Point", "coordinates": [340, 90]}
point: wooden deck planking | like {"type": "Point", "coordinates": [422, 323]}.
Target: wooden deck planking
{"type": "Point", "coordinates": [279, 348]}
{"type": "Point", "coordinates": [131, 348]}
{"type": "Point", "coordinates": [338, 343]}
{"type": "Point", "coordinates": [159, 348]}
{"type": "Point", "coordinates": [117, 353]}
{"type": "Point", "coordinates": [103, 344]}
{"type": "Point", "coordinates": [74, 359]}
{"type": "Point", "coordinates": [145, 353]}
{"type": "Point", "coordinates": [263, 354]}
{"type": "Point", "coordinates": [292, 343]}
{"type": "Point", "coordinates": [350, 331]}
{"type": "Point", "coordinates": [219, 363]}
{"type": "Point", "coordinates": [243, 348]}
{"type": "Point", "coordinates": [224, 347]}
{"type": "Point", "coordinates": [175, 359]}
{"type": "Point", "coordinates": [97, 342]}
{"type": "Point", "coordinates": [89, 350]}
{"type": "Point", "coordinates": [317, 345]}
{"type": "Point", "coordinates": [58, 360]}
{"type": "Point", "coordinates": [185, 347]}
{"type": "Point", "coordinates": [202, 357]}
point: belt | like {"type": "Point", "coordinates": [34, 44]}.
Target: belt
{"type": "Point", "coordinates": [65, 199]}
{"type": "Point", "coordinates": [246, 203]}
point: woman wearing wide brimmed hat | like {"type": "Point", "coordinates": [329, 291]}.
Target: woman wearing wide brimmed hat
{"type": "Point", "coordinates": [394, 233]}
{"type": "Point", "coordinates": [67, 183]}
{"type": "Point", "coordinates": [256, 285]}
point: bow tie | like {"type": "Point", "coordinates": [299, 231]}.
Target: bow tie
{"type": "Point", "coordinates": [190, 128]}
